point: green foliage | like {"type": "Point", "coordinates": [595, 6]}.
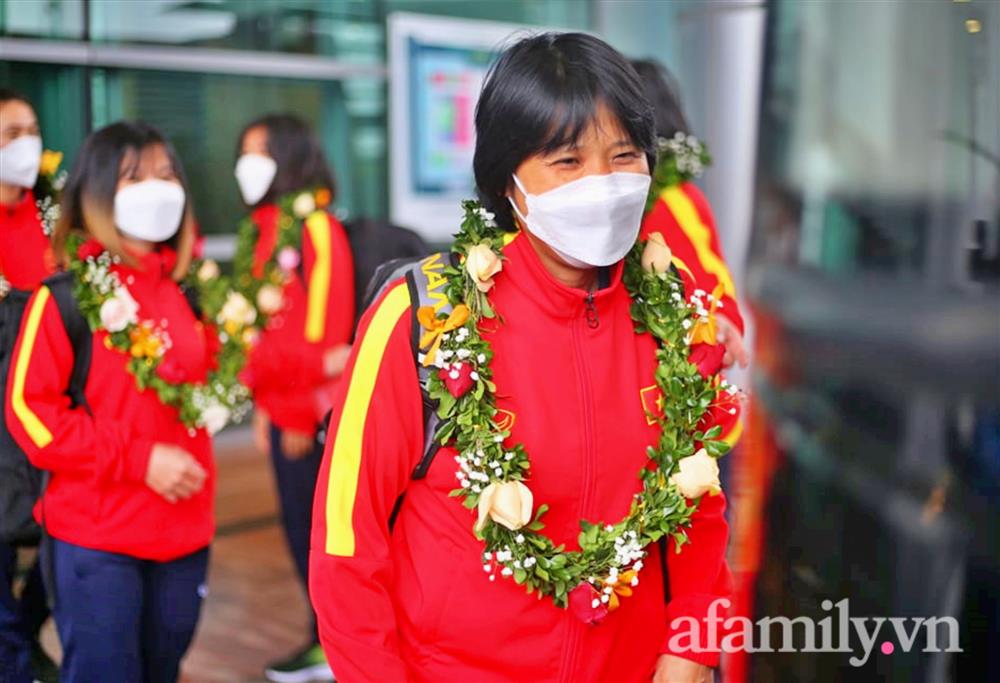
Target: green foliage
{"type": "Point", "coordinates": [468, 425]}
{"type": "Point", "coordinates": [95, 284]}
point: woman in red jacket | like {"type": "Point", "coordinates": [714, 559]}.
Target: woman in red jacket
{"type": "Point", "coordinates": [576, 452]}
{"type": "Point", "coordinates": [129, 503]}
{"type": "Point", "coordinates": [293, 259]}
{"type": "Point", "coordinates": [25, 260]}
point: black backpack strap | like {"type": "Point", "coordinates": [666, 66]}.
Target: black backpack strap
{"type": "Point", "coordinates": [79, 333]}
{"type": "Point", "coordinates": [426, 282]}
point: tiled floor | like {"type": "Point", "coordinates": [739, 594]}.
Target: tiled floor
{"type": "Point", "coordinates": [256, 610]}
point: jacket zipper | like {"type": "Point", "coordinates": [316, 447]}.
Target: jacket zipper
{"type": "Point", "coordinates": [592, 321]}
{"type": "Point", "coordinates": [590, 311]}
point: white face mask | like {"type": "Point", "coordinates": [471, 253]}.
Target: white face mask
{"type": "Point", "coordinates": [150, 210]}
{"type": "Point", "coordinates": [19, 161]}
{"type": "Point", "coordinates": [254, 174]}
{"type": "Point", "coordinates": [591, 221]}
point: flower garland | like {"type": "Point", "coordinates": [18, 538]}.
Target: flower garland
{"type": "Point", "coordinates": [48, 190]}
{"type": "Point", "coordinates": [107, 304]}
{"type": "Point", "coordinates": [266, 292]}
{"type": "Point", "coordinates": [491, 474]}
{"type": "Point", "coordinates": [681, 158]}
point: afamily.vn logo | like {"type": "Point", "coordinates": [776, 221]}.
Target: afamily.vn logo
{"type": "Point", "coordinates": [836, 632]}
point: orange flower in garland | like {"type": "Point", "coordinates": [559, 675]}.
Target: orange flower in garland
{"type": "Point", "coordinates": [620, 587]}
{"type": "Point", "coordinates": [146, 343]}
{"type": "Point", "coordinates": [704, 330]}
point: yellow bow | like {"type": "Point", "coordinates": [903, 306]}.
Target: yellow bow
{"type": "Point", "coordinates": [705, 331]}
{"type": "Point", "coordinates": [436, 328]}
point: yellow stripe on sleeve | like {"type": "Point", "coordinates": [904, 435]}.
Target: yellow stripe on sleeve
{"type": "Point", "coordinates": [319, 281]}
{"type": "Point", "coordinates": [734, 434]}
{"type": "Point", "coordinates": [345, 461]}
{"type": "Point", "coordinates": [686, 214]}
{"type": "Point", "coordinates": [37, 431]}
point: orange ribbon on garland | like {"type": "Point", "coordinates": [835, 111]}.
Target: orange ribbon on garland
{"type": "Point", "coordinates": [436, 328]}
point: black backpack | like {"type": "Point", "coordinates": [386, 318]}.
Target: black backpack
{"type": "Point", "coordinates": [20, 482]}
{"type": "Point", "coordinates": [414, 269]}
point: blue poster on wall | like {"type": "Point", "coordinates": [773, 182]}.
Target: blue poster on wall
{"type": "Point", "coordinates": [444, 84]}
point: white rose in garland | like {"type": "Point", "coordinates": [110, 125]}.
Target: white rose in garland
{"type": "Point", "coordinates": [656, 255]}
{"type": "Point", "coordinates": [209, 270]}
{"type": "Point", "coordinates": [270, 299]}
{"type": "Point", "coordinates": [482, 264]}
{"type": "Point", "coordinates": [237, 310]}
{"type": "Point", "coordinates": [304, 205]}
{"type": "Point", "coordinates": [119, 311]}
{"type": "Point", "coordinates": [215, 417]}
{"type": "Point", "coordinates": [508, 503]}
{"type": "Point", "coordinates": [698, 474]}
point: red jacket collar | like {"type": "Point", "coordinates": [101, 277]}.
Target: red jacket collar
{"type": "Point", "coordinates": [525, 269]}
{"type": "Point", "coordinates": [20, 210]}
{"type": "Point", "coordinates": [157, 264]}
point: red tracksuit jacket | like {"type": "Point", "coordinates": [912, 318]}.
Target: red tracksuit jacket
{"type": "Point", "coordinates": [25, 252]}
{"type": "Point", "coordinates": [684, 217]}
{"type": "Point", "coordinates": [285, 370]}
{"type": "Point", "coordinates": [415, 604]}
{"type": "Point", "coordinates": [97, 497]}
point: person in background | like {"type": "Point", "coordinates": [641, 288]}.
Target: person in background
{"type": "Point", "coordinates": [129, 505]}
{"type": "Point", "coordinates": [680, 212]}
{"type": "Point", "coordinates": [293, 259]}
{"type": "Point", "coordinates": [25, 260]}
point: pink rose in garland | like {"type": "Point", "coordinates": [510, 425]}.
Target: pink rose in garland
{"type": "Point", "coordinates": [288, 259]}
{"type": "Point", "coordinates": [707, 358]}
{"type": "Point", "coordinates": [90, 249]}
{"type": "Point", "coordinates": [457, 379]}
{"type": "Point", "coordinates": [585, 604]}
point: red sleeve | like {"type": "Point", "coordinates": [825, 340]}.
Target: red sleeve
{"type": "Point", "coordinates": [328, 268]}
{"type": "Point", "coordinates": [698, 576]}
{"type": "Point", "coordinates": [376, 435]}
{"type": "Point", "coordinates": [288, 370]}
{"type": "Point", "coordinates": [54, 436]}
{"type": "Point", "coordinates": [684, 217]}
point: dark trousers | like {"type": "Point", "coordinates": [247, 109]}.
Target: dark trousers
{"type": "Point", "coordinates": [296, 481]}
{"type": "Point", "coordinates": [20, 619]}
{"type": "Point", "coordinates": [122, 619]}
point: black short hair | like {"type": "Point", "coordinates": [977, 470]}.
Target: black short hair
{"type": "Point", "coordinates": [297, 152]}
{"type": "Point", "coordinates": [11, 95]}
{"type": "Point", "coordinates": [541, 94]}
{"type": "Point", "coordinates": [663, 93]}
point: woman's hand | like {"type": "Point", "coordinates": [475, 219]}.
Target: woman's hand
{"type": "Point", "coordinates": [730, 337]}
{"type": "Point", "coordinates": [673, 669]}
{"type": "Point", "coordinates": [261, 432]}
{"type": "Point", "coordinates": [174, 473]}
{"type": "Point", "coordinates": [296, 445]}
{"type": "Point", "coordinates": [335, 360]}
